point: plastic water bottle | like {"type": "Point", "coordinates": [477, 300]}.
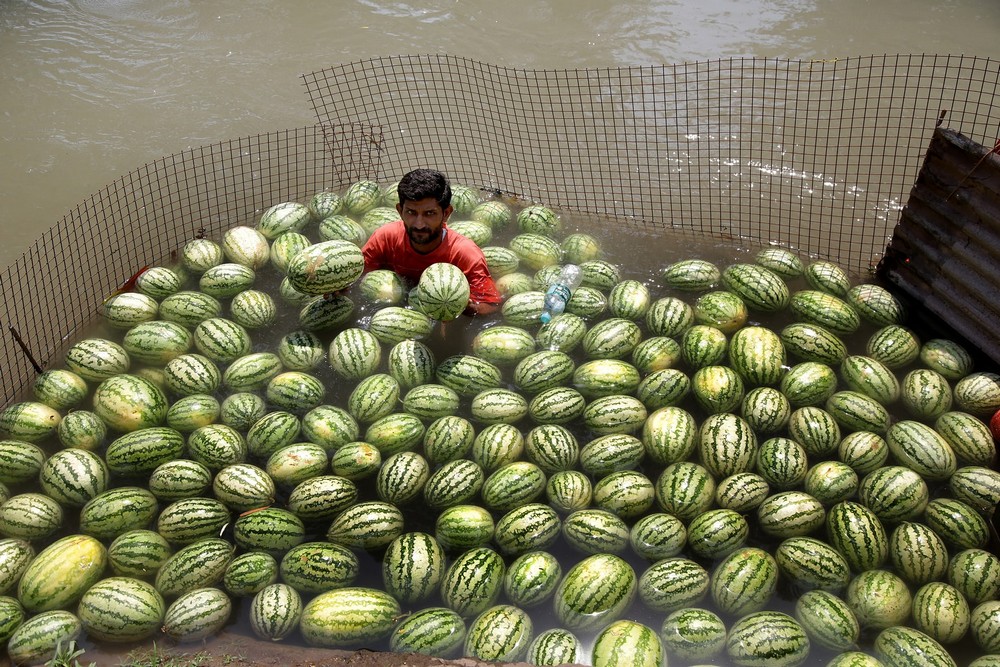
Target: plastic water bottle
{"type": "Point", "coordinates": [559, 292]}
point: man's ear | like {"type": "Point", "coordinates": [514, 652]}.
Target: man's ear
{"type": "Point", "coordinates": [399, 208]}
{"type": "Point", "coordinates": [447, 212]}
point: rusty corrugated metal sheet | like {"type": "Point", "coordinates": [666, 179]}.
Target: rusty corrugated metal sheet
{"type": "Point", "coordinates": [945, 251]}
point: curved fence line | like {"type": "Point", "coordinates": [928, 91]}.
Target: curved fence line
{"type": "Point", "coordinates": [815, 155]}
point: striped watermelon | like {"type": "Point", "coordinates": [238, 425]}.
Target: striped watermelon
{"type": "Point", "coordinates": [876, 304]}
{"type": "Point", "coordinates": [315, 567]}
{"type": "Point", "coordinates": [348, 617]}
{"type": "Point", "coordinates": [827, 277]}
{"type": "Point", "coordinates": [978, 393]}
{"type": "Point", "coordinates": [30, 516]}
{"type": "Point", "coordinates": [627, 643]}
{"type": "Point", "coordinates": [727, 445]}
{"type": "Point", "coordinates": [595, 531]}
{"type": "Point", "coordinates": [412, 567]}
{"type": "Point", "coordinates": [199, 255]}
{"type": "Point", "coordinates": [760, 288]}
{"type": "Point", "coordinates": [693, 634]}
{"type": "Point", "coordinates": [947, 358]}
{"type": "Point", "coordinates": [685, 490]}
{"type": "Point", "coordinates": [283, 217]}
{"type": "Point", "coordinates": [202, 563]}
{"type": "Point", "coordinates": [197, 615]}
{"type": "Point", "coordinates": [500, 633]}
{"type": "Point", "coordinates": [901, 646]}
{"type": "Point", "coordinates": [36, 640]}
{"type": "Point", "coordinates": [610, 453]}
{"type": "Point", "coordinates": [442, 292]}
{"type": "Point", "coordinates": [744, 581]}
{"type": "Point", "coordinates": [188, 520]}
{"type": "Point", "coordinates": [564, 332]}
{"type": "Point", "coordinates": [856, 532]}
{"type": "Point", "coordinates": [275, 612]}
{"type": "Point", "coordinates": [81, 429]}
{"type": "Point", "coordinates": [926, 394]}
{"type": "Point", "coordinates": [249, 573]}
{"type": "Point", "coordinates": [831, 482]}
{"type": "Point", "coordinates": [782, 463]}
{"type": "Point", "coordinates": [367, 525]}
{"type": "Point", "coordinates": [568, 491]}
{"type": "Point", "coordinates": [61, 573]}
{"type": "Point", "coordinates": [555, 647]}
{"type": "Point", "coordinates": [894, 345]}
{"type": "Point", "coordinates": [941, 612]}
{"type": "Point", "coordinates": [894, 493]}
{"type": "Point", "coordinates": [827, 620]}
{"type": "Point", "coordinates": [669, 317]}
{"type": "Point", "coordinates": [122, 609]}
{"type": "Point", "coordinates": [503, 345]}
{"type": "Point", "coordinates": [189, 308]}
{"type": "Point", "coordinates": [782, 261]}
{"type": "Point", "coordinates": [920, 448]}
{"type": "Point", "coordinates": [532, 579]}
{"type": "Point", "coordinates": [512, 485]}
{"type": "Point", "coordinates": [811, 564]}
{"type": "Point", "coordinates": [456, 482]}
{"type": "Point", "coordinates": [917, 554]}
{"type": "Point", "coordinates": [15, 555]}
{"type": "Point", "coordinates": [958, 524]}
{"type": "Point", "coordinates": [535, 251]}
{"type": "Point", "coordinates": [768, 638]}
{"type": "Point", "coordinates": [181, 478]}
{"type": "Point", "coordinates": [436, 631]}
{"type": "Point", "coordinates": [463, 527]}
{"type": "Point", "coordinates": [473, 582]}
{"type": "Point", "coordinates": [742, 492]}
{"type": "Point", "coordinates": [594, 592]}
{"type": "Point", "coordinates": [812, 342]}
{"type": "Point", "coordinates": [879, 599]}
{"type": "Point", "coordinates": [629, 299]}
{"type": "Point", "coordinates": [717, 533]}
{"type": "Point", "coordinates": [73, 476]}
{"type": "Point", "coordinates": [691, 275]}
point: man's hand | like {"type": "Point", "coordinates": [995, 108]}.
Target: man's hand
{"type": "Point", "coordinates": [474, 309]}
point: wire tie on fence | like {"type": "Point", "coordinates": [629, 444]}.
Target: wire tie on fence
{"type": "Point", "coordinates": [24, 349]}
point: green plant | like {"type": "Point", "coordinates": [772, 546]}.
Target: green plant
{"type": "Point", "coordinates": [67, 655]}
{"type": "Point", "coordinates": [153, 657]}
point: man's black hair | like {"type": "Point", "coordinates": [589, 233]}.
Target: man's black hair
{"type": "Point", "coordinates": [423, 183]}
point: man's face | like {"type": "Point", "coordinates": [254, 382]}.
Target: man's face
{"type": "Point", "coordinates": [423, 220]}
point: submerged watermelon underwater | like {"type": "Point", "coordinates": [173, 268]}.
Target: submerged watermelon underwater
{"type": "Point", "coordinates": [734, 456]}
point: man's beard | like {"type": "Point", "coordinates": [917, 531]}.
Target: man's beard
{"type": "Point", "coordinates": [423, 236]}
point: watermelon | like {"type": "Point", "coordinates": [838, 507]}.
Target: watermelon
{"type": "Point", "coordinates": [348, 617]}
{"type": "Point", "coordinates": [122, 610]}
{"type": "Point", "coordinates": [879, 599]}
{"type": "Point", "coordinates": [594, 592]}
{"type": "Point", "coordinates": [442, 292]}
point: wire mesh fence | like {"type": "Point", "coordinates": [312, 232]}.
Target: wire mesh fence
{"type": "Point", "coordinates": [814, 155]}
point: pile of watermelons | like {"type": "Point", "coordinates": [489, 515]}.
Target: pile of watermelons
{"type": "Point", "coordinates": [745, 459]}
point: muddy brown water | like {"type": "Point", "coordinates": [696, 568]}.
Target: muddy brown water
{"type": "Point", "coordinates": [93, 89]}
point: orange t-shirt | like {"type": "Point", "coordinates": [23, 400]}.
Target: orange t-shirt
{"type": "Point", "coordinates": [389, 248]}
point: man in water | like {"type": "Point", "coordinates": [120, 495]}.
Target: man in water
{"type": "Point", "coordinates": [421, 238]}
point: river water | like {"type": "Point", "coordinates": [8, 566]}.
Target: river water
{"type": "Point", "coordinates": [92, 89]}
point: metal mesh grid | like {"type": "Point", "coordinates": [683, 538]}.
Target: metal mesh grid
{"type": "Point", "coordinates": [815, 155]}
{"type": "Point", "coordinates": [57, 287]}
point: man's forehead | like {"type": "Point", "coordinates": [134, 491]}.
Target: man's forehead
{"type": "Point", "coordinates": [425, 204]}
